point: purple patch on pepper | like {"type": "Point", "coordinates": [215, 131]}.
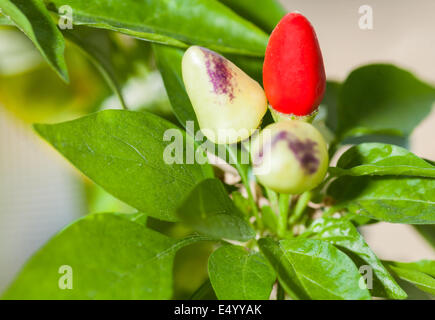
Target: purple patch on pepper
{"type": "Point", "coordinates": [220, 73]}
{"type": "Point", "coordinates": [304, 151]}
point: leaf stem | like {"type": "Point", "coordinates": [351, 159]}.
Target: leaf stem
{"type": "Point", "coordinates": [284, 206]}
{"type": "Point", "coordinates": [253, 203]}
{"type": "Point", "coordinates": [280, 293]}
{"type": "Point", "coordinates": [273, 199]}
{"type": "Point", "coordinates": [300, 207]}
{"type": "Point", "coordinates": [319, 188]}
{"type": "Point", "coordinates": [333, 147]}
{"type": "Point", "coordinates": [245, 180]}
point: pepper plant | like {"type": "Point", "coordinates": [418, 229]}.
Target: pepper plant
{"type": "Point", "coordinates": [288, 232]}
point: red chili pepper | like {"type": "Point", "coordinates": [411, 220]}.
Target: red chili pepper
{"type": "Point", "coordinates": [293, 73]}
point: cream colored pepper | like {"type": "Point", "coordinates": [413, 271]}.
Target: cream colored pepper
{"type": "Point", "coordinates": [228, 103]}
{"type": "Point", "coordinates": [290, 157]}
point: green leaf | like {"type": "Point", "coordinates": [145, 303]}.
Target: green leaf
{"type": "Point", "coordinates": [96, 45]}
{"type": "Point", "coordinates": [330, 103]}
{"type": "Point", "coordinates": [381, 159]}
{"type": "Point", "coordinates": [111, 257]}
{"type": "Point", "coordinates": [425, 266]}
{"type": "Point", "coordinates": [176, 23]}
{"type": "Point", "coordinates": [136, 217]}
{"type": "Point", "coordinates": [390, 199]}
{"type": "Point", "coordinates": [343, 234]}
{"type": "Point", "coordinates": [252, 66]}
{"type": "Point", "coordinates": [270, 218]}
{"type": "Point", "coordinates": [4, 21]}
{"type": "Point", "coordinates": [169, 63]}
{"type": "Point", "coordinates": [123, 152]}
{"type": "Point", "coordinates": [237, 274]}
{"type": "Point", "coordinates": [205, 292]}
{"type": "Point", "coordinates": [190, 264]}
{"type": "Point", "coordinates": [284, 269]}
{"type": "Point", "coordinates": [412, 291]}
{"type": "Point", "coordinates": [242, 203]}
{"type": "Point", "coordinates": [32, 18]}
{"type": "Point", "coordinates": [314, 268]}
{"type": "Point", "coordinates": [383, 99]}
{"type": "Point", "coordinates": [209, 210]}
{"type": "Point", "coordinates": [358, 220]}
{"type": "Point", "coordinates": [421, 280]}
{"type": "Point", "coordinates": [264, 13]}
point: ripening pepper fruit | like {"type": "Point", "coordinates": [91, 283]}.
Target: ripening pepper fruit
{"type": "Point", "coordinates": [290, 156]}
{"type": "Point", "coordinates": [293, 72]}
{"type": "Point", "coordinates": [228, 103]}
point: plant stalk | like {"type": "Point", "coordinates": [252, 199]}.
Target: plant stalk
{"type": "Point", "coordinates": [280, 293]}
{"type": "Point", "coordinates": [245, 181]}
{"type": "Point", "coordinates": [284, 206]}
{"type": "Point", "coordinates": [300, 207]}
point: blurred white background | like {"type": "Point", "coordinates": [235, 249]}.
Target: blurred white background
{"type": "Point", "coordinates": [40, 192]}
